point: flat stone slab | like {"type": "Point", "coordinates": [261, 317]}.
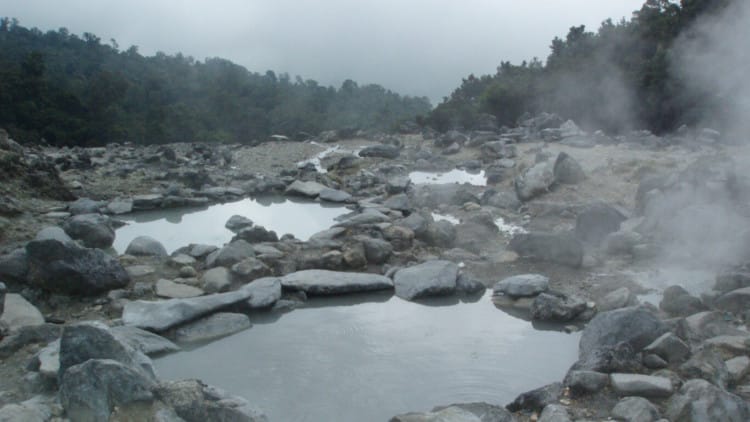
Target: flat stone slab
{"type": "Point", "coordinates": [641, 385]}
{"type": "Point", "coordinates": [146, 342]}
{"type": "Point", "coordinates": [427, 279]}
{"type": "Point", "coordinates": [170, 289]}
{"type": "Point", "coordinates": [264, 292]}
{"type": "Point", "coordinates": [309, 189]}
{"type": "Point", "coordinates": [524, 285]}
{"type": "Point", "coordinates": [164, 314]}
{"type": "Point", "coordinates": [212, 327]}
{"type": "Point", "coordinates": [325, 282]}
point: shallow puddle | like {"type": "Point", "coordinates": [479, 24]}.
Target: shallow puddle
{"type": "Point", "coordinates": [453, 176]}
{"type": "Point", "coordinates": [178, 227]}
{"type": "Point", "coordinates": [370, 357]}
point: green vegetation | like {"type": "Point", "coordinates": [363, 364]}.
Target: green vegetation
{"type": "Point", "coordinates": [615, 79]}
{"type": "Point", "coordinates": [71, 90]}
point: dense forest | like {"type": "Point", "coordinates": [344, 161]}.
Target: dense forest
{"type": "Point", "coordinates": [615, 79]}
{"type": "Point", "coordinates": [70, 90]}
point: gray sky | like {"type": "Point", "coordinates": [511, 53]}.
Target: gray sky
{"type": "Point", "coordinates": [415, 47]}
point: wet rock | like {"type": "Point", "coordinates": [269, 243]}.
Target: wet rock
{"type": "Point", "coordinates": [398, 202]}
{"type": "Point", "coordinates": [556, 308]}
{"type": "Point", "coordinates": [195, 401]}
{"type": "Point", "coordinates": [84, 206]}
{"type": "Point", "coordinates": [554, 413]}
{"type": "Point", "coordinates": [212, 327]}
{"type": "Point", "coordinates": [699, 401]}
{"type": "Point", "coordinates": [669, 347]}
{"type": "Point", "coordinates": [704, 325]}
{"type": "Point", "coordinates": [325, 282]}
{"type": "Point", "coordinates": [635, 409]}
{"type": "Point", "coordinates": [641, 385]}
{"type": "Point", "coordinates": [595, 222]}
{"type": "Point", "coordinates": [27, 335]}
{"type": "Point", "coordinates": [14, 266]}
{"type": "Point", "coordinates": [94, 230]}
{"type": "Point", "coordinates": [216, 280]}
{"type": "Point", "coordinates": [120, 206]}
{"type": "Point", "coordinates": [147, 202]}
{"type": "Point", "coordinates": [707, 364]}
{"type": "Point", "coordinates": [617, 299]}
{"type": "Point", "coordinates": [264, 292]}
{"type": "Point", "coordinates": [334, 195]}
{"type": "Point", "coordinates": [161, 315]}
{"type": "Point", "coordinates": [32, 410]}
{"type": "Point", "coordinates": [382, 151]}
{"type": "Point", "coordinates": [377, 251]}
{"type": "Point", "coordinates": [67, 268]}
{"type": "Point", "coordinates": [426, 279]}
{"type": "Point", "coordinates": [18, 312]}
{"type": "Point", "coordinates": [146, 342]}
{"type": "Point", "coordinates": [736, 301]}
{"type": "Point", "coordinates": [560, 248]}
{"type": "Point", "coordinates": [676, 301]}
{"type": "Point", "coordinates": [534, 181]}
{"type": "Point", "coordinates": [230, 254]}
{"type": "Point", "coordinates": [237, 223]}
{"type": "Point", "coordinates": [536, 400]}
{"type": "Point", "coordinates": [53, 233]}
{"type": "Point", "coordinates": [467, 284]}
{"type": "Point", "coordinates": [170, 289]}
{"type": "Point", "coordinates": [441, 234]}
{"type": "Point", "coordinates": [586, 382]}
{"type": "Point", "coordinates": [91, 390]}
{"type": "Point", "coordinates": [249, 269]}
{"type": "Point", "coordinates": [307, 189]}
{"type": "Point", "coordinates": [256, 234]}
{"type": "Point", "coordinates": [524, 285]}
{"type": "Point", "coordinates": [566, 170]}
{"type": "Point", "coordinates": [145, 246]}
{"type": "Point", "coordinates": [464, 412]}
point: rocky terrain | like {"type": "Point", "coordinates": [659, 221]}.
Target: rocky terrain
{"type": "Point", "coordinates": [638, 240]}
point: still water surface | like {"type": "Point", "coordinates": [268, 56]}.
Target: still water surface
{"type": "Point", "coordinates": [370, 357]}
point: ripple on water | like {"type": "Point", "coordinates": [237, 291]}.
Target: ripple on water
{"type": "Point", "coordinates": [369, 361]}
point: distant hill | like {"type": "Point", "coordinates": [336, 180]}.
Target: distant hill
{"type": "Point", "coordinates": [71, 90]}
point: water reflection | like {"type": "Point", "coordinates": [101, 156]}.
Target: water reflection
{"type": "Point", "coordinates": [453, 176]}
{"type": "Point", "coordinates": [350, 358]}
{"type": "Point", "coordinates": [181, 226]}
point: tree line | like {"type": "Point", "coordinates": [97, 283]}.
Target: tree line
{"type": "Point", "coordinates": [64, 89]}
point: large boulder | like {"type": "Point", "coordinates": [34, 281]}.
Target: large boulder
{"type": "Point", "coordinates": [14, 266]}
{"type": "Point", "coordinates": [567, 170]}
{"type": "Point", "coordinates": [698, 400]}
{"type": "Point", "coordinates": [641, 385]}
{"type": "Point", "coordinates": [68, 268]}
{"type": "Point", "coordinates": [556, 308]}
{"type": "Point", "coordinates": [94, 230]}
{"type": "Point", "coordinates": [146, 342]}
{"type": "Point", "coordinates": [534, 181]}
{"type": "Point", "coordinates": [194, 401]}
{"type": "Point", "coordinates": [325, 282]}
{"type": "Point", "coordinates": [264, 292]}
{"type": "Point", "coordinates": [560, 248]}
{"type": "Point", "coordinates": [595, 222]}
{"type": "Point", "coordinates": [145, 246]}
{"type": "Point", "coordinates": [736, 301]}
{"type": "Point", "coordinates": [230, 254]}
{"type": "Point", "coordinates": [427, 279]}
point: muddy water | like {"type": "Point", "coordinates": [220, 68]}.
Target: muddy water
{"type": "Point", "coordinates": [367, 358]}
{"type": "Point", "coordinates": [175, 228]}
{"type": "Point", "coordinates": [453, 176]}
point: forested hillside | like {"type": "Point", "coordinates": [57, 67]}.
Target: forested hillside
{"type": "Point", "coordinates": [623, 76]}
{"type": "Point", "coordinates": [71, 90]}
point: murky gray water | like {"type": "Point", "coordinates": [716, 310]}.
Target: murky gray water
{"type": "Point", "coordinates": [178, 227]}
{"type": "Point", "coordinates": [453, 176]}
{"type": "Point", "coordinates": [370, 357]}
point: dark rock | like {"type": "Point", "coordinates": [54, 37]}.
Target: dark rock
{"type": "Point", "coordinates": [653, 361]}
{"type": "Point", "coordinates": [676, 301]}
{"type": "Point", "coordinates": [416, 223]}
{"type": "Point", "coordinates": [669, 347]}
{"type": "Point", "coordinates": [536, 400]}
{"type": "Point", "coordinates": [699, 401]}
{"type": "Point", "coordinates": [466, 284]}
{"type": "Point", "coordinates": [68, 268]}
{"type": "Point", "coordinates": [597, 221]}
{"type": "Point", "coordinates": [94, 230]}
{"type": "Point", "coordinates": [583, 382]}
{"type": "Point", "coordinates": [147, 202]}
{"type": "Point", "coordinates": [728, 281]}
{"type": "Point", "coordinates": [534, 181]}
{"type": "Point", "coordinates": [641, 385]}
{"type": "Point", "coordinates": [383, 151]}
{"type": "Point", "coordinates": [145, 246]}
{"type": "Point", "coordinates": [230, 254]}
{"type": "Point", "coordinates": [397, 184]}
{"type": "Point", "coordinates": [3, 290]}
{"type": "Point", "coordinates": [400, 237]}
{"type": "Point", "coordinates": [567, 170]}
{"type": "Point", "coordinates": [14, 266]}
{"type": "Point", "coordinates": [707, 364]}
{"type": "Point", "coordinates": [736, 301]}
{"type": "Point", "coordinates": [256, 234]}
{"type": "Point", "coordinates": [195, 401]}
{"type": "Point", "coordinates": [398, 202]}
{"type": "Point", "coordinates": [237, 223]}
{"type": "Point", "coordinates": [524, 285]}
{"type": "Point", "coordinates": [556, 308]}
{"type": "Point", "coordinates": [426, 279]}
{"type": "Point", "coordinates": [560, 248]}
{"type": "Point", "coordinates": [325, 282]}
{"type": "Point", "coordinates": [635, 409]}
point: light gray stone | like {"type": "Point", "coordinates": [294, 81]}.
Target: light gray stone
{"type": "Point", "coordinates": [325, 282]}
{"type": "Point", "coordinates": [670, 348]}
{"type": "Point", "coordinates": [699, 401]}
{"type": "Point", "coordinates": [523, 285]}
{"type": "Point", "coordinates": [308, 189]}
{"type": "Point", "coordinates": [145, 246]}
{"type": "Point", "coordinates": [554, 413]}
{"type": "Point", "coordinates": [146, 342]}
{"type": "Point", "coordinates": [736, 301]}
{"type": "Point", "coordinates": [534, 181]}
{"type": "Point", "coordinates": [635, 409]}
{"type": "Point", "coordinates": [616, 299]}
{"type": "Point", "coordinates": [641, 385]}
{"type": "Point", "coordinates": [32, 410]}
{"type": "Point", "coordinates": [120, 206]}
{"type": "Point", "coordinates": [334, 195]}
{"type": "Point", "coordinates": [195, 401]}
{"type": "Point", "coordinates": [738, 367]}
{"type": "Point", "coordinates": [264, 292]}
{"type": "Point", "coordinates": [94, 230]}
{"type": "Point", "coordinates": [212, 327]}
{"type": "Point", "coordinates": [427, 279]}
{"type": "Point", "coordinates": [170, 289]}
{"type": "Point", "coordinates": [19, 313]}
{"type": "Point", "coordinates": [216, 280]}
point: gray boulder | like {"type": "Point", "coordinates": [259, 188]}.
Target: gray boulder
{"type": "Point", "coordinates": [427, 279]}
{"type": "Point", "coordinates": [237, 223]}
{"type": "Point", "coordinates": [249, 269]}
{"type": "Point", "coordinates": [195, 401]}
{"type": "Point", "coordinates": [53, 233]}
{"type": "Point", "coordinates": [635, 409]}
{"type": "Point", "coordinates": [84, 206]}
{"type": "Point", "coordinates": [17, 312]}
{"type": "Point", "coordinates": [736, 301]}
{"type": "Point", "coordinates": [641, 385]}
{"type": "Point", "coordinates": [534, 181]}
{"type": "Point", "coordinates": [325, 282]}
{"type": "Point", "coordinates": [595, 222]}
{"type": "Point", "coordinates": [538, 399]}
{"type": "Point", "coordinates": [382, 151]}
{"type": "Point", "coordinates": [212, 327]}
{"type": "Point", "coordinates": [307, 189]}
{"type": "Point", "coordinates": [264, 292]}
{"type": "Point", "coordinates": [94, 230]}
{"type": "Point", "coordinates": [216, 280]}
{"type": "Point", "coordinates": [699, 401]}
{"type": "Point", "coordinates": [708, 364]}
{"type": "Point", "coordinates": [67, 268]}
{"type": "Point", "coordinates": [377, 251]}
{"type": "Point", "coordinates": [567, 170]}
{"type": "Point", "coordinates": [170, 289]}
{"type": "Point", "coordinates": [334, 195]}
{"type": "Point", "coordinates": [441, 234]}
{"type": "Point", "coordinates": [556, 308]}
{"type": "Point", "coordinates": [145, 246]}
{"type": "Point", "coordinates": [676, 301]}
{"type": "Point", "coordinates": [14, 266]}
{"type": "Point", "coordinates": [146, 342]}
{"type": "Point", "coordinates": [230, 254]}
{"type": "Point", "coordinates": [560, 248]}
{"type": "Point", "coordinates": [554, 413]}
{"type": "Point", "coordinates": [669, 347]}
{"type": "Point", "coordinates": [524, 285]}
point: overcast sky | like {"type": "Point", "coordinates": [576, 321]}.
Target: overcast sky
{"type": "Point", "coordinates": [415, 47]}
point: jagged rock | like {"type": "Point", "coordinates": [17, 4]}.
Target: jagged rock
{"type": "Point", "coordinates": [736, 301]}
{"type": "Point", "coordinates": [556, 308]}
{"type": "Point", "coordinates": [554, 413]}
{"type": "Point", "coordinates": [676, 301]}
{"type": "Point", "coordinates": [669, 347]}
{"type": "Point", "coordinates": [308, 189]}
{"type": "Point", "coordinates": [94, 230]}
{"type": "Point", "coordinates": [617, 299]}
{"type": "Point", "coordinates": [704, 325]}
{"type": "Point", "coordinates": [161, 315]}
{"type": "Point", "coordinates": [145, 246]}
{"type": "Point", "coordinates": [383, 151]}
{"type": "Point", "coordinates": [334, 195]}
{"type": "Point", "coordinates": [536, 400]}
{"type": "Point", "coordinates": [464, 412]}
{"type": "Point", "coordinates": [635, 409]}
{"type": "Point", "coordinates": [560, 248]}
{"type": "Point", "coordinates": [90, 391]}
{"type": "Point", "coordinates": [256, 234]}
{"type": "Point", "coordinates": [249, 269]}
{"type": "Point", "coordinates": [230, 254]}
{"type": "Point", "coordinates": [212, 327]}
{"type": "Point", "coordinates": [216, 280]}
{"type": "Point", "coordinates": [237, 223]}
{"type": "Point", "coordinates": [146, 342]}
{"type": "Point", "coordinates": [699, 401]}
{"type": "Point", "coordinates": [14, 266]}
{"type": "Point", "coordinates": [325, 282]}
{"type": "Point", "coordinates": [524, 285]}
{"type": "Point", "coordinates": [426, 279]}
{"type": "Point", "coordinates": [641, 385]}
{"type": "Point", "coordinates": [170, 289]}
{"type": "Point", "coordinates": [68, 268]}
{"type": "Point", "coordinates": [18, 312]}
{"type": "Point", "coordinates": [195, 401]}
{"type": "Point", "coordinates": [264, 292]}
{"type": "Point", "coordinates": [566, 170]}
{"type": "Point", "coordinates": [595, 222]}
{"type": "Point", "coordinates": [585, 382]}
{"type": "Point", "coordinates": [534, 181]}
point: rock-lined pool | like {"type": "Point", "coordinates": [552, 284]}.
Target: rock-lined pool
{"type": "Point", "coordinates": [370, 357]}
{"type": "Point", "coordinates": [178, 227]}
{"type": "Point", "coordinates": [453, 176]}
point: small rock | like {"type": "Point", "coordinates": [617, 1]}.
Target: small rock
{"type": "Point", "coordinates": [737, 368]}
{"type": "Point", "coordinates": [556, 308]}
{"type": "Point", "coordinates": [586, 382]}
{"type": "Point", "coordinates": [617, 299]}
{"type": "Point", "coordinates": [145, 246]}
{"type": "Point", "coordinates": [554, 413]}
{"type": "Point", "coordinates": [635, 409]}
{"type": "Point", "coordinates": [334, 195]}
{"type": "Point", "coordinates": [676, 301]}
{"type": "Point", "coordinates": [426, 279]}
{"type": "Point", "coordinates": [536, 400]}
{"type": "Point", "coordinates": [216, 280]}
{"type": "Point", "coordinates": [641, 385]}
{"type": "Point", "coordinates": [670, 348]}
{"type": "Point", "coordinates": [524, 285]}
{"type": "Point", "coordinates": [19, 313]}
{"type": "Point", "coordinates": [237, 223]}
